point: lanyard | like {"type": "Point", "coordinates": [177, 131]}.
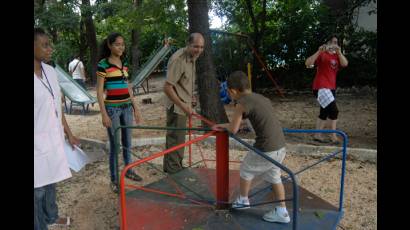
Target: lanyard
{"type": "Point", "coordinates": [50, 90]}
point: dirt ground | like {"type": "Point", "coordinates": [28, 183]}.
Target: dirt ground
{"type": "Point", "coordinates": [88, 199]}
{"type": "Point", "coordinates": [357, 115]}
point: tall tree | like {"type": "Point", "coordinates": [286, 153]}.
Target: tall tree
{"type": "Point", "coordinates": [87, 14]}
{"type": "Point", "coordinates": [211, 105]}
{"type": "Point", "coordinates": [135, 37]}
{"type": "Point", "coordinates": [259, 27]}
{"type": "Point", "coordinates": [82, 41]}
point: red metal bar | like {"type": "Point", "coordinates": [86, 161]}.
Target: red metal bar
{"type": "Point", "coordinates": [155, 191]}
{"type": "Point", "coordinates": [189, 138]}
{"type": "Point", "coordinates": [166, 194]}
{"type": "Point", "coordinates": [210, 123]}
{"type": "Point", "coordinates": [265, 68]}
{"type": "Point", "coordinates": [258, 57]}
{"type": "Point", "coordinates": [228, 161]}
{"type": "Point", "coordinates": [179, 191]}
{"type": "Point", "coordinates": [222, 169]}
{"type": "Point", "coordinates": [156, 155]}
{"type": "Point", "coordinates": [202, 155]}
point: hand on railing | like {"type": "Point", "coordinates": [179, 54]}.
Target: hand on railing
{"type": "Point", "coordinates": [218, 127]}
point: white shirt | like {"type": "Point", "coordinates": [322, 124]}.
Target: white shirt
{"type": "Point", "coordinates": [78, 73]}
{"type": "Point", "coordinates": [50, 163]}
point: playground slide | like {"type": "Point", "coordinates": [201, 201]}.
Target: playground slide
{"type": "Point", "coordinates": [72, 90]}
{"type": "Point", "coordinates": [150, 65]}
{"type": "Point", "coordinates": [76, 94]}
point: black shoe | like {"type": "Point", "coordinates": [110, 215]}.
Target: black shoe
{"type": "Point", "coordinates": [133, 176]}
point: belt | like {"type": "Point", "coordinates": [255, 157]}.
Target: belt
{"type": "Point", "coordinates": [123, 106]}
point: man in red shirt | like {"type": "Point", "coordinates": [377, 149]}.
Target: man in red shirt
{"type": "Point", "coordinates": [328, 60]}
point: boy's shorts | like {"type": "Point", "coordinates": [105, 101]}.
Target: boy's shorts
{"type": "Point", "coordinates": [254, 165]}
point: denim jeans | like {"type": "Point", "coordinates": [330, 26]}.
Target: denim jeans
{"type": "Point", "coordinates": [119, 116]}
{"type": "Point", "coordinates": [45, 206]}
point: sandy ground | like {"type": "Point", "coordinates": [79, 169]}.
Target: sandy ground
{"type": "Point", "coordinates": [357, 116]}
{"type": "Point", "coordinates": [88, 199]}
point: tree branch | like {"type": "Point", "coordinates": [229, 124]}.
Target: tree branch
{"type": "Point", "coordinates": [252, 15]}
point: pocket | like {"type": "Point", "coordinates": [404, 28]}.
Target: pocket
{"type": "Point", "coordinates": [130, 109]}
{"type": "Point", "coordinates": [42, 144]}
{"type": "Point", "coordinates": [128, 114]}
{"type": "Point", "coordinates": [109, 111]}
{"type": "Point", "coordinates": [184, 80]}
{"type": "Point", "coordinates": [112, 111]}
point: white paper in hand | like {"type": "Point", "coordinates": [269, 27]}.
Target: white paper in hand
{"type": "Point", "coordinates": [76, 158]}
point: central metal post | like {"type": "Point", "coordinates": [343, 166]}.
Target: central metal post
{"type": "Point", "coordinates": [222, 170]}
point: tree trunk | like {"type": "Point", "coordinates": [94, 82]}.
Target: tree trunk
{"type": "Point", "coordinates": [83, 43]}
{"type": "Point", "coordinates": [91, 37]}
{"type": "Point", "coordinates": [211, 105]}
{"type": "Point", "coordinates": [257, 35]}
{"type": "Point", "coordinates": [135, 51]}
{"type": "Point", "coordinates": [135, 34]}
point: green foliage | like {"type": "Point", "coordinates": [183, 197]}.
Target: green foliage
{"type": "Point", "coordinates": [230, 53]}
{"type": "Point", "coordinates": [361, 51]}
{"type": "Point", "coordinates": [294, 31]}
{"type": "Point", "coordinates": [63, 52]}
{"type": "Point", "coordinates": [154, 19]}
{"type": "Point", "coordinates": [57, 16]}
{"type": "Point", "coordinates": [286, 35]}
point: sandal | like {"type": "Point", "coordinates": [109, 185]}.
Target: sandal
{"type": "Point", "coordinates": [62, 222]}
{"type": "Point", "coordinates": [133, 176]}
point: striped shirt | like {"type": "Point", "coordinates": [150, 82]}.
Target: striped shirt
{"type": "Point", "coordinates": [115, 82]}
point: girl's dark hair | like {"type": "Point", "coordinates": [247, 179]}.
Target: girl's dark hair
{"type": "Point", "coordinates": [332, 36]}
{"type": "Point", "coordinates": [238, 80]}
{"type": "Point", "coordinates": [39, 32]}
{"type": "Point", "coordinates": [105, 51]}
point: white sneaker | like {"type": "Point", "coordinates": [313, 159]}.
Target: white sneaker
{"type": "Point", "coordinates": [274, 216]}
{"type": "Point", "coordinates": [241, 203]}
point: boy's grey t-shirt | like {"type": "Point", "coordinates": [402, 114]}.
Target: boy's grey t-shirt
{"type": "Point", "coordinates": [259, 111]}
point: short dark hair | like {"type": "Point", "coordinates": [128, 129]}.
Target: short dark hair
{"type": "Point", "coordinates": [39, 32]}
{"type": "Point", "coordinates": [238, 80]}
{"type": "Point", "coordinates": [329, 38]}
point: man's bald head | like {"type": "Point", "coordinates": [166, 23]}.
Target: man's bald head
{"type": "Point", "coordinates": [194, 36]}
{"type": "Point", "coordinates": [195, 45]}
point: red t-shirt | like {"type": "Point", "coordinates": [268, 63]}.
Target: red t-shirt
{"type": "Point", "coordinates": [327, 66]}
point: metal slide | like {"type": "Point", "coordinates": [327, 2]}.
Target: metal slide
{"type": "Point", "coordinates": [149, 66]}
{"type": "Point", "coordinates": [73, 91]}
{"type": "Point", "coordinates": [77, 95]}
